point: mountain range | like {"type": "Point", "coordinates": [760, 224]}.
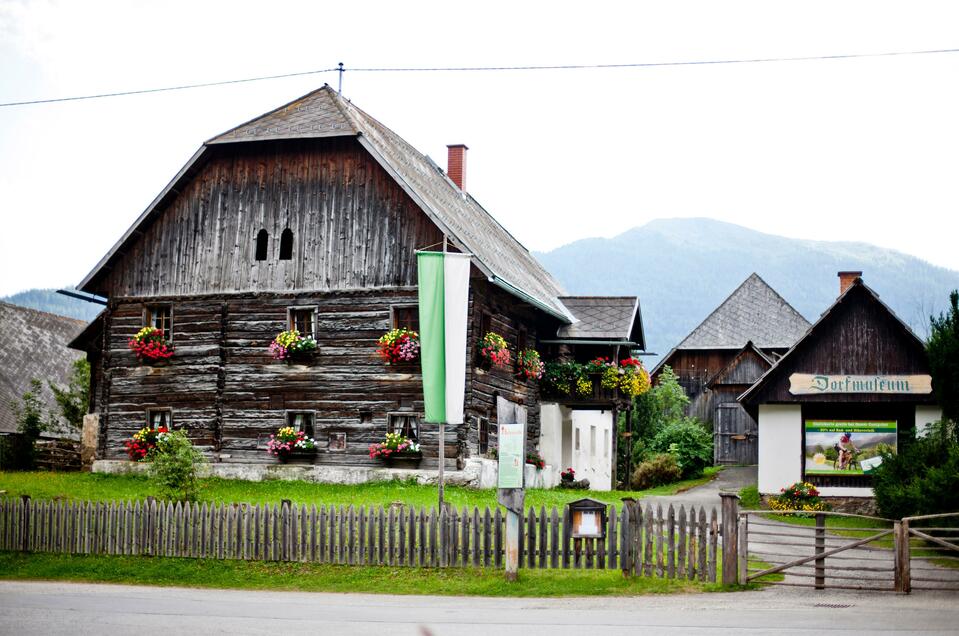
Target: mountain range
{"type": "Point", "coordinates": [682, 269]}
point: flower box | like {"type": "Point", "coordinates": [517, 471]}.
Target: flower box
{"type": "Point", "coordinates": [149, 345]}
{"type": "Point", "coordinates": [404, 460]}
{"type": "Point", "coordinates": [290, 346]}
{"type": "Point", "coordinates": [399, 346]}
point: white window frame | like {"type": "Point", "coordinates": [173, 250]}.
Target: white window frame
{"type": "Point", "coordinates": [290, 324]}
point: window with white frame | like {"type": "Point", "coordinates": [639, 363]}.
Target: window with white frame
{"type": "Point", "coordinates": [301, 421]}
{"type": "Point", "coordinates": [160, 317]}
{"type": "Point", "coordinates": [407, 424]}
{"type": "Point", "coordinates": [303, 319]}
{"type": "Point", "coordinates": [160, 418]}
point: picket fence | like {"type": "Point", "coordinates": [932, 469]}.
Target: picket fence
{"type": "Point", "coordinates": [672, 544]}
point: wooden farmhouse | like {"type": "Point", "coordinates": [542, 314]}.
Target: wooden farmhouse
{"type": "Point", "coordinates": [722, 357]}
{"type": "Point", "coordinates": [857, 382]}
{"type": "Point", "coordinates": [309, 216]}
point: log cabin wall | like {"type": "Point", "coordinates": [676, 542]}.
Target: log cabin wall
{"type": "Point", "coordinates": [490, 305]}
{"type": "Point", "coordinates": [223, 386]}
{"type": "Point", "coordinates": [355, 233]}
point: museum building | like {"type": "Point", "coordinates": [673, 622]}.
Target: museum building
{"type": "Point", "coordinates": [855, 384]}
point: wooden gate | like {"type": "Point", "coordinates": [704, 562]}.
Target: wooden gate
{"type": "Point", "coordinates": [928, 549]}
{"type": "Point", "coordinates": [848, 556]}
{"type": "Point", "coordinates": [735, 436]}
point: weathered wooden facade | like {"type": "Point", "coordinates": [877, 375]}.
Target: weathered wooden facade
{"type": "Point", "coordinates": [866, 358]}
{"type": "Point", "coordinates": [311, 212]}
{"type": "Point", "coordinates": [725, 354]}
{"type": "Point", "coordinates": [735, 434]}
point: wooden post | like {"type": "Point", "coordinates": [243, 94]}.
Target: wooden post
{"type": "Point", "coordinates": [820, 548]}
{"type": "Point", "coordinates": [902, 556]}
{"type": "Point", "coordinates": [512, 499]}
{"type": "Point", "coordinates": [730, 509]}
{"type": "Point", "coordinates": [442, 452]}
{"type": "Point", "coordinates": [25, 523]}
{"type": "Point", "coordinates": [743, 535]}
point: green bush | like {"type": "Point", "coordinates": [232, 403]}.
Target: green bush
{"type": "Point", "coordinates": [689, 441]}
{"type": "Point", "coordinates": [657, 471]}
{"type": "Point", "coordinates": [922, 479]}
{"type": "Point", "coordinates": [174, 467]}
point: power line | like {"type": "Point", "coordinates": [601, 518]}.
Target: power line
{"type": "Point", "coordinates": [453, 69]}
{"type": "Point", "coordinates": [165, 88]}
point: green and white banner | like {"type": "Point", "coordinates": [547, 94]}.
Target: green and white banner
{"type": "Point", "coordinates": [444, 279]}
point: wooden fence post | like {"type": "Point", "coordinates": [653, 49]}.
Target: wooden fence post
{"type": "Point", "coordinates": [820, 548]}
{"type": "Point", "coordinates": [902, 556]}
{"type": "Point", "coordinates": [730, 530]}
{"type": "Point", "coordinates": [743, 535]}
{"type": "Point", "coordinates": [25, 523]}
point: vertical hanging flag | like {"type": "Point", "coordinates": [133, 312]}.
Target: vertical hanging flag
{"type": "Point", "coordinates": [444, 299]}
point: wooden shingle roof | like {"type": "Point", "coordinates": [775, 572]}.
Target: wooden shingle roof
{"type": "Point", "coordinates": [33, 344]}
{"type": "Point", "coordinates": [324, 113]}
{"type": "Point", "coordinates": [610, 318]}
{"type": "Point", "coordinates": [753, 312]}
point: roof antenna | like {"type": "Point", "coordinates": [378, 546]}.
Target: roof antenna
{"type": "Point", "coordinates": [339, 89]}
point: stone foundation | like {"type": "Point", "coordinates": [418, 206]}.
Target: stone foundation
{"type": "Point", "coordinates": [477, 473]}
{"type": "Point", "coordinates": [849, 505]}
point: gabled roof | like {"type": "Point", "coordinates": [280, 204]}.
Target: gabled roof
{"type": "Point", "coordinates": [735, 373]}
{"type": "Point", "coordinates": [608, 318]}
{"type": "Point", "coordinates": [753, 312]}
{"type": "Point", "coordinates": [855, 288]}
{"type": "Point", "coordinates": [324, 113]}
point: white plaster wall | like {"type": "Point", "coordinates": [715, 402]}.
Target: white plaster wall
{"type": "Point", "coordinates": [780, 446]}
{"type": "Point", "coordinates": [551, 433]}
{"type": "Point", "coordinates": [593, 462]}
{"type": "Point", "coordinates": [926, 415]}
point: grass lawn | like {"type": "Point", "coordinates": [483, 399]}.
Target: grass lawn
{"type": "Point", "coordinates": [308, 577]}
{"type": "Point", "coordinates": [100, 487]}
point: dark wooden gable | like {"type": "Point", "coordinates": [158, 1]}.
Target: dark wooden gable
{"type": "Point", "coordinates": [352, 226]}
{"type": "Point", "coordinates": [858, 335]}
{"type": "Point", "coordinates": [743, 370]}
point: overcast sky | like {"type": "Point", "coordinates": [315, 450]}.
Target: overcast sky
{"type": "Point", "coordinates": [853, 149]}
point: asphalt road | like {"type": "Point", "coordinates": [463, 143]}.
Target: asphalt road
{"type": "Point", "coordinates": [58, 608]}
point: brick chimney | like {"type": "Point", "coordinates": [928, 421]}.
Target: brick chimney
{"type": "Point", "coordinates": [846, 279]}
{"type": "Point", "coordinates": [456, 164]}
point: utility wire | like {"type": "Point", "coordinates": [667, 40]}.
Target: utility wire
{"type": "Point", "coordinates": [452, 69]}
{"type": "Point", "coordinates": [166, 88]}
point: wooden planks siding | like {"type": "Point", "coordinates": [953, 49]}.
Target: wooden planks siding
{"type": "Point", "coordinates": [353, 226]}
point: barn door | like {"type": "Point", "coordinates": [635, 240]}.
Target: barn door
{"type": "Point", "coordinates": [735, 436]}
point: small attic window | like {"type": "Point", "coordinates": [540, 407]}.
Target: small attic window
{"type": "Point", "coordinates": [262, 238]}
{"type": "Point", "coordinates": [286, 245]}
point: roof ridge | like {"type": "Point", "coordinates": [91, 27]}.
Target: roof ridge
{"type": "Point", "coordinates": [42, 311]}
{"type": "Point", "coordinates": [266, 114]}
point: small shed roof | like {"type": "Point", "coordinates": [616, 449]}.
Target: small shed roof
{"type": "Point", "coordinates": [608, 318]}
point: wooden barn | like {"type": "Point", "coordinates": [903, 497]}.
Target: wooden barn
{"type": "Point", "coordinates": [738, 342]}
{"type": "Point", "coordinates": [856, 382]}
{"type": "Point", "coordinates": [309, 216]}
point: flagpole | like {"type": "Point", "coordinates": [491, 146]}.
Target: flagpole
{"type": "Point", "coordinates": [442, 460]}
{"type": "Point", "coordinates": [441, 475]}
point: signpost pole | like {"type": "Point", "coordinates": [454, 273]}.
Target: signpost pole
{"type": "Point", "coordinates": [511, 494]}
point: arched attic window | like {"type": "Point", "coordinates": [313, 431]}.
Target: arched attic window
{"type": "Point", "coordinates": [286, 245]}
{"type": "Point", "coordinates": [262, 240]}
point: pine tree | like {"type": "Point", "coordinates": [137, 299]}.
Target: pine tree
{"type": "Point", "coordinates": [943, 351]}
